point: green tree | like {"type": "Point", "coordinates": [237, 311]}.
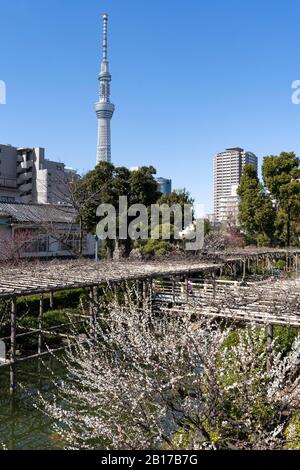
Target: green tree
{"type": "Point", "coordinates": [256, 212]}
{"type": "Point", "coordinates": [281, 176]}
{"type": "Point", "coordinates": [104, 185]}
{"type": "Point", "coordinates": [143, 186]}
{"type": "Point", "coordinates": [178, 196]}
{"type": "Point", "coordinates": [159, 247]}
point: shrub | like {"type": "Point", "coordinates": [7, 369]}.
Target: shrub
{"type": "Point", "coordinates": [62, 299]}
{"type": "Point", "coordinates": [284, 338]}
{"type": "Point", "coordinates": [292, 432]}
{"type": "Point", "coordinates": [50, 319]}
{"type": "Point", "coordinates": [280, 264]}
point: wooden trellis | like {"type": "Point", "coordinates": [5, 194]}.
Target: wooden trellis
{"type": "Point", "coordinates": [41, 278]}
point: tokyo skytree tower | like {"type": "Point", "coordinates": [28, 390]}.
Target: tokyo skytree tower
{"type": "Point", "coordinates": [104, 108]}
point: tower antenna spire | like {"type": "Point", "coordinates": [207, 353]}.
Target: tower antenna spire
{"type": "Point", "coordinates": [104, 43]}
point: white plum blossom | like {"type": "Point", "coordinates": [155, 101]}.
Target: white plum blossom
{"type": "Point", "coordinates": [143, 380]}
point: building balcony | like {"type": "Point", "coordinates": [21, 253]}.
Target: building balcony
{"type": "Point", "coordinates": [27, 165]}
{"type": "Point", "coordinates": [25, 188]}
{"type": "Point", "coordinates": [24, 166]}
{"type": "Point", "coordinates": [23, 177]}
{"type": "Point", "coordinates": [26, 199]}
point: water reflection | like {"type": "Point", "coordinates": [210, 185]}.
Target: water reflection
{"type": "Point", "coordinates": [22, 426]}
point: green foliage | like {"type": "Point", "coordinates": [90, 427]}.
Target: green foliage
{"type": "Point", "coordinates": [232, 339]}
{"type": "Point", "coordinates": [269, 212]}
{"type": "Point", "coordinates": [143, 186]}
{"type": "Point", "coordinates": [50, 319]}
{"type": "Point", "coordinates": [281, 175]}
{"type": "Point", "coordinates": [207, 227]}
{"type": "Point", "coordinates": [240, 382]}
{"type": "Point", "coordinates": [106, 183]}
{"type": "Point", "coordinates": [263, 240]}
{"type": "Point", "coordinates": [243, 401]}
{"type": "Point", "coordinates": [292, 432]}
{"type": "Point", "coordinates": [284, 338]}
{"type": "Point", "coordinates": [280, 264]}
{"type": "Point", "coordinates": [62, 299]}
{"type": "Point", "coordinates": [165, 232]}
{"type": "Point", "coordinates": [156, 248]}
{"type": "Point", "coordinates": [179, 196]}
{"type": "Point", "coordinates": [256, 213]}
{"type": "Point", "coordinates": [279, 170]}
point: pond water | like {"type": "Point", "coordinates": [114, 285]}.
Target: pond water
{"type": "Point", "coordinates": [22, 426]}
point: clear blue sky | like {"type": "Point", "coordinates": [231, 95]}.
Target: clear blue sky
{"type": "Point", "coordinates": [189, 79]}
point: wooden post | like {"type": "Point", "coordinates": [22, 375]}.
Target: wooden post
{"type": "Point", "coordinates": [270, 333]}
{"type": "Point", "coordinates": [140, 293]}
{"type": "Point", "coordinates": [40, 339]}
{"type": "Point", "coordinates": [263, 263]}
{"type": "Point", "coordinates": [214, 284]}
{"type": "Point", "coordinates": [173, 290]}
{"type": "Point", "coordinates": [234, 271]}
{"type": "Point", "coordinates": [91, 308]}
{"type": "Point", "coordinates": [244, 269]}
{"type": "Point", "coordinates": [187, 287]}
{"type": "Point", "coordinates": [94, 304]}
{"type": "Point", "coordinates": [51, 299]}
{"type": "Point", "coordinates": [146, 294]}
{"type": "Point", "coordinates": [145, 290]}
{"type": "Point", "coordinates": [254, 267]}
{"type": "Point", "coordinates": [40, 325]}
{"type": "Point", "coordinates": [150, 287]}
{"type": "Point", "coordinates": [13, 345]}
{"type": "Point", "coordinates": [50, 367]}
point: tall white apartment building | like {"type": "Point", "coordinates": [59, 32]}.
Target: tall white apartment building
{"type": "Point", "coordinates": [228, 169]}
{"type": "Point", "coordinates": [26, 176]}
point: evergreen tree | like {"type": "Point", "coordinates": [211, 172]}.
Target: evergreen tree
{"type": "Point", "coordinates": [256, 213]}
{"type": "Point", "coordinates": [281, 176]}
{"type": "Point", "coordinates": [104, 185]}
{"type": "Point", "coordinates": [178, 196]}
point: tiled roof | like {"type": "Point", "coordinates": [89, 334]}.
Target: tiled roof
{"type": "Point", "coordinates": [37, 213]}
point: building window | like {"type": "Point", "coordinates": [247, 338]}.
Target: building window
{"type": "Point", "coordinates": [31, 241]}
{"type": "Point", "coordinates": [7, 199]}
{"type": "Point", "coordinates": [71, 242]}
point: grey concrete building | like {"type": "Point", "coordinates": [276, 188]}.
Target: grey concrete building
{"type": "Point", "coordinates": [8, 174]}
{"type": "Point", "coordinates": [228, 169]}
{"type": "Point", "coordinates": [27, 176]}
{"type": "Point", "coordinates": [41, 231]}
